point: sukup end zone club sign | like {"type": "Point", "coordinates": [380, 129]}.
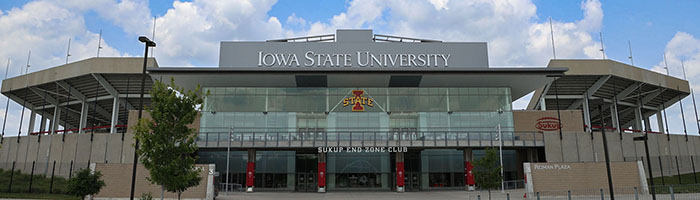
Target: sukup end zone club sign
{"type": "Point", "coordinates": [548, 124]}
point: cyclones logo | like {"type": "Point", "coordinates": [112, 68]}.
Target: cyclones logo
{"type": "Point", "coordinates": [358, 101]}
{"type": "Point", "coordinates": [548, 124]}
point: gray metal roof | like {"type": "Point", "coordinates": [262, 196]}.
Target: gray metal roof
{"type": "Point", "coordinates": [610, 80]}
{"type": "Point", "coordinates": [94, 81]}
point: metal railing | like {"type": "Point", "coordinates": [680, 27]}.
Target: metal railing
{"type": "Point", "coordinates": [441, 138]}
{"type": "Point", "coordinates": [673, 192]}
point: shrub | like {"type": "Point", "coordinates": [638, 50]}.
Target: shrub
{"type": "Point", "coordinates": [85, 183]}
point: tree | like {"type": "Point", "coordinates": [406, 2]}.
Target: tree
{"type": "Point", "coordinates": [487, 171]}
{"type": "Point", "coordinates": [168, 146]}
{"type": "Point", "coordinates": [85, 183]}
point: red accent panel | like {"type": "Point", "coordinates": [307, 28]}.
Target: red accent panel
{"type": "Point", "coordinates": [250, 174]}
{"type": "Point", "coordinates": [400, 174]}
{"type": "Point", "coordinates": [321, 174]}
{"type": "Point", "coordinates": [468, 175]}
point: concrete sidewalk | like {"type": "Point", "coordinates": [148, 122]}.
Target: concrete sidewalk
{"type": "Point", "coordinates": [366, 195]}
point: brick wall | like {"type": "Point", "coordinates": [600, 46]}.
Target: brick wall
{"type": "Point", "coordinates": [117, 178]}
{"type": "Point", "coordinates": [583, 178]}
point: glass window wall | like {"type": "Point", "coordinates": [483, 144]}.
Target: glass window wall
{"type": "Point", "coordinates": [329, 110]}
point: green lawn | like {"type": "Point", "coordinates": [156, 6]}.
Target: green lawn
{"type": "Point", "coordinates": [673, 180]}
{"type": "Point", "coordinates": [40, 183]}
{"type": "Point", "coordinates": [37, 196]}
{"type": "Point", "coordinates": [687, 184]}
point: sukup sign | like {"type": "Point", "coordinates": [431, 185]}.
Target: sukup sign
{"type": "Point", "coordinates": [548, 124]}
{"type": "Point", "coordinates": [358, 101]}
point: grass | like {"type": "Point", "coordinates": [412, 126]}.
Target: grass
{"type": "Point", "coordinates": [686, 185]}
{"type": "Point", "coordinates": [38, 196]}
{"type": "Point", "coordinates": [673, 180]}
{"type": "Point", "coordinates": [40, 183]}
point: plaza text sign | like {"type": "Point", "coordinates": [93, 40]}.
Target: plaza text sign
{"type": "Point", "coordinates": [361, 59]}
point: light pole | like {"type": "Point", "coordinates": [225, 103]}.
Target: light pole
{"type": "Point", "coordinates": [148, 43]}
{"type": "Point", "coordinates": [600, 103]}
{"type": "Point", "coordinates": [500, 151]}
{"type": "Point", "coordinates": [651, 176]}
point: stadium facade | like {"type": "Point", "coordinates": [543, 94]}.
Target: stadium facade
{"type": "Point", "coordinates": [355, 111]}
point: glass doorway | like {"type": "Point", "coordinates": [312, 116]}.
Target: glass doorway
{"type": "Point", "coordinates": [412, 181]}
{"type": "Point", "coordinates": [306, 182]}
{"type": "Point", "coordinates": [306, 170]}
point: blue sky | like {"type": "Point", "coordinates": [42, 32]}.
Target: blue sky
{"type": "Point", "coordinates": [517, 32]}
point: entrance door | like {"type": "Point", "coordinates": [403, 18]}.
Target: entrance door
{"type": "Point", "coordinates": [412, 181]}
{"type": "Point", "coordinates": [306, 182]}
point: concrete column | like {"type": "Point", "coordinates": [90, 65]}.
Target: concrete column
{"type": "Point", "coordinates": [115, 116]}
{"type": "Point", "coordinates": [468, 175]}
{"type": "Point", "coordinates": [400, 172]}
{"type": "Point", "coordinates": [637, 118]}
{"type": "Point", "coordinates": [614, 117]}
{"type": "Point", "coordinates": [55, 120]}
{"type": "Point", "coordinates": [250, 171]}
{"type": "Point", "coordinates": [322, 175]}
{"type": "Point", "coordinates": [42, 126]}
{"type": "Point", "coordinates": [660, 121]}
{"type": "Point", "coordinates": [647, 124]}
{"type": "Point", "coordinates": [83, 117]}
{"type": "Point", "coordinates": [543, 104]}
{"type": "Point", "coordinates": [32, 120]}
{"type": "Point", "coordinates": [586, 113]}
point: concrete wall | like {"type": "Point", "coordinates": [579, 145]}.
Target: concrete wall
{"type": "Point", "coordinates": [663, 150]}
{"type": "Point", "coordinates": [117, 185]}
{"type": "Point", "coordinates": [70, 152]}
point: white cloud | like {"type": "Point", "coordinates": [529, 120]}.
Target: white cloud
{"type": "Point", "coordinates": [190, 32]}
{"type": "Point", "coordinates": [44, 28]}
{"type": "Point", "coordinates": [682, 47]}
{"type": "Point", "coordinates": [510, 28]}
{"type": "Point", "coordinates": [294, 20]}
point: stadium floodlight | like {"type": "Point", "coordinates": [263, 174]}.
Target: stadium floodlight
{"type": "Point", "coordinates": [148, 43]}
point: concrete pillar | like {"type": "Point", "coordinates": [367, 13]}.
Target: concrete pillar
{"type": "Point", "coordinates": [637, 118]}
{"type": "Point", "coordinates": [42, 126]}
{"type": "Point", "coordinates": [614, 117]}
{"type": "Point", "coordinates": [115, 116]}
{"type": "Point", "coordinates": [468, 175]}
{"type": "Point", "coordinates": [400, 172]}
{"type": "Point", "coordinates": [250, 171]}
{"type": "Point", "coordinates": [83, 116]}
{"type": "Point", "coordinates": [586, 113]}
{"type": "Point", "coordinates": [55, 120]}
{"type": "Point", "coordinates": [32, 120]}
{"type": "Point", "coordinates": [647, 124]}
{"type": "Point", "coordinates": [543, 104]}
{"type": "Point", "coordinates": [660, 121]}
{"type": "Point", "coordinates": [321, 172]}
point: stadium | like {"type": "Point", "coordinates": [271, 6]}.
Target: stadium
{"type": "Point", "coordinates": [357, 110]}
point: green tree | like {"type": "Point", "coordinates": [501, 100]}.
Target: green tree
{"type": "Point", "coordinates": [85, 183]}
{"type": "Point", "coordinates": [167, 146]}
{"type": "Point", "coordinates": [487, 171]}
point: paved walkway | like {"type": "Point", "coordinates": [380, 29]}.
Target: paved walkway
{"type": "Point", "coordinates": [367, 195]}
{"type": "Point", "coordinates": [427, 195]}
